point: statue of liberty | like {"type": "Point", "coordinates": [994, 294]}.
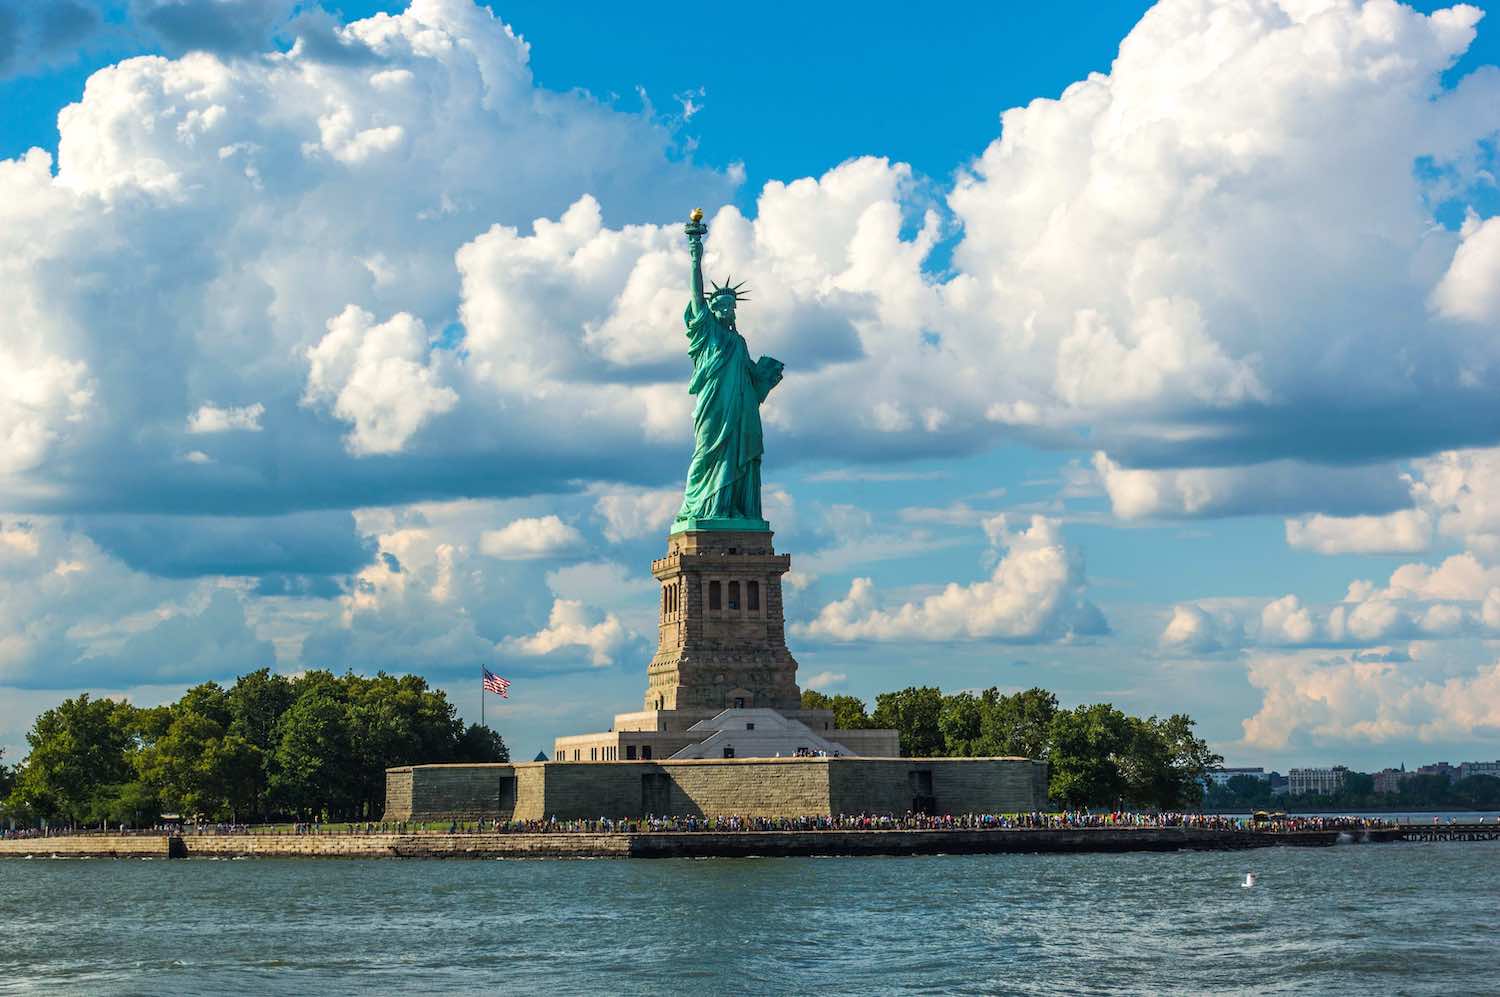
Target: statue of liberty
{"type": "Point", "coordinates": [723, 480]}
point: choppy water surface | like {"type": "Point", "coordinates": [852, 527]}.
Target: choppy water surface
{"type": "Point", "coordinates": [1401, 918]}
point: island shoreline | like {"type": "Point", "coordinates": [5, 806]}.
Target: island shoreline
{"type": "Point", "coordinates": [716, 844]}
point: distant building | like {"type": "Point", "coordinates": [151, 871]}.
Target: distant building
{"type": "Point", "coordinates": [1469, 769]}
{"type": "Point", "coordinates": [1319, 782]}
{"type": "Point", "coordinates": [1220, 776]}
{"type": "Point", "coordinates": [1390, 780]}
{"type": "Point", "coordinates": [1449, 772]}
{"type": "Point", "coordinates": [1278, 784]}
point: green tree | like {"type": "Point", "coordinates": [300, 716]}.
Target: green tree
{"type": "Point", "coordinates": [1358, 786]}
{"type": "Point", "coordinates": [914, 714]}
{"type": "Point", "coordinates": [1166, 763]}
{"type": "Point", "coordinates": [1425, 790]}
{"type": "Point", "coordinates": [383, 730]}
{"type": "Point", "coordinates": [1087, 745]}
{"type": "Point", "coordinates": [311, 772]}
{"type": "Point", "coordinates": [480, 744]}
{"type": "Point", "coordinates": [1240, 792]}
{"type": "Point", "coordinates": [7, 781]}
{"type": "Point", "coordinates": [1145, 764]}
{"type": "Point", "coordinates": [78, 762]}
{"type": "Point", "coordinates": [256, 702]}
{"type": "Point", "coordinates": [848, 711]}
{"type": "Point", "coordinates": [268, 745]}
{"type": "Point", "coordinates": [396, 721]}
{"type": "Point", "coordinates": [196, 766]}
{"type": "Point", "coordinates": [1482, 792]}
{"type": "Point", "coordinates": [812, 699]}
{"type": "Point", "coordinates": [1099, 756]}
{"type": "Point", "coordinates": [1019, 724]}
{"type": "Point", "coordinates": [961, 720]}
{"type": "Point", "coordinates": [134, 803]}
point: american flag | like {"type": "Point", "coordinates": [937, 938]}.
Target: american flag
{"type": "Point", "coordinates": [496, 684]}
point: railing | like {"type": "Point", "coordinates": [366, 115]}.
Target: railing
{"type": "Point", "coordinates": [1449, 832]}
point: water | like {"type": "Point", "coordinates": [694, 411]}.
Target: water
{"type": "Point", "coordinates": [1400, 918]}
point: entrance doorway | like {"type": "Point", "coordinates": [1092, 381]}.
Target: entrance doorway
{"type": "Point", "coordinates": [922, 799]}
{"type": "Point", "coordinates": [656, 794]}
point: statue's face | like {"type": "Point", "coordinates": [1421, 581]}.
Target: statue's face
{"type": "Point", "coordinates": [723, 308]}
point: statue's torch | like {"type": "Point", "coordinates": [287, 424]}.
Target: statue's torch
{"type": "Point", "coordinates": [695, 228]}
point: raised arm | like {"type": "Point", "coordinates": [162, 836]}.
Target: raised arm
{"type": "Point", "coordinates": [696, 230]}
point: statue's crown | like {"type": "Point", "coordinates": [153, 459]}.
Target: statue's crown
{"type": "Point", "coordinates": [733, 290]}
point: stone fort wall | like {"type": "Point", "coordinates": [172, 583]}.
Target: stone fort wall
{"type": "Point", "coordinates": [753, 787]}
{"type": "Point", "coordinates": [146, 846]}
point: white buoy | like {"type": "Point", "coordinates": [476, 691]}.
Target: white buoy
{"type": "Point", "coordinates": [1249, 880]}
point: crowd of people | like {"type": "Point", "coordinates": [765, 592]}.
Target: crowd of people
{"type": "Point", "coordinates": [1066, 820]}
{"type": "Point", "coordinates": [72, 830]}
{"type": "Point", "coordinates": [1059, 821]}
{"type": "Point", "coordinates": [219, 828]}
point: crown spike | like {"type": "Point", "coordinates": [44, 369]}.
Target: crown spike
{"type": "Point", "coordinates": [728, 287]}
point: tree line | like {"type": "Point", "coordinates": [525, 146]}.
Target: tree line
{"type": "Point", "coordinates": [1416, 792]}
{"type": "Point", "coordinates": [267, 747]}
{"type": "Point", "coordinates": [318, 745]}
{"type": "Point", "coordinates": [1097, 756]}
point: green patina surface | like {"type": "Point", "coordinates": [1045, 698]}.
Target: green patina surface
{"type": "Point", "coordinates": [723, 479]}
{"type": "Point", "coordinates": [681, 525]}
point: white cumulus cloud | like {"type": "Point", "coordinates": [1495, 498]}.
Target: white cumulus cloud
{"type": "Point", "coordinates": [1312, 699]}
{"type": "Point", "coordinates": [211, 418]}
{"type": "Point", "coordinates": [1276, 486]}
{"type": "Point", "coordinates": [530, 537]}
{"type": "Point", "coordinates": [217, 227]}
{"type": "Point", "coordinates": [1406, 531]}
{"type": "Point", "coordinates": [1470, 290]}
{"type": "Point", "coordinates": [1461, 489]}
{"type": "Point", "coordinates": [631, 513]}
{"type": "Point", "coordinates": [824, 680]}
{"type": "Point", "coordinates": [377, 377]}
{"type": "Point", "coordinates": [569, 627]}
{"type": "Point", "coordinates": [1197, 629]}
{"type": "Point", "coordinates": [1459, 597]}
{"type": "Point", "coordinates": [1037, 592]}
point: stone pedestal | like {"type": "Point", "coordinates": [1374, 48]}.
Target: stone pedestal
{"type": "Point", "coordinates": [722, 642]}
{"type": "Point", "coordinates": [721, 647]}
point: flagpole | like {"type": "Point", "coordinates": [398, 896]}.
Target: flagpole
{"type": "Point", "coordinates": [481, 697]}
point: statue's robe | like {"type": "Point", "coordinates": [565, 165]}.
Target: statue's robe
{"type": "Point", "coordinates": [723, 481]}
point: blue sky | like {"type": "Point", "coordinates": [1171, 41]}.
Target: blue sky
{"type": "Point", "coordinates": [1173, 387]}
